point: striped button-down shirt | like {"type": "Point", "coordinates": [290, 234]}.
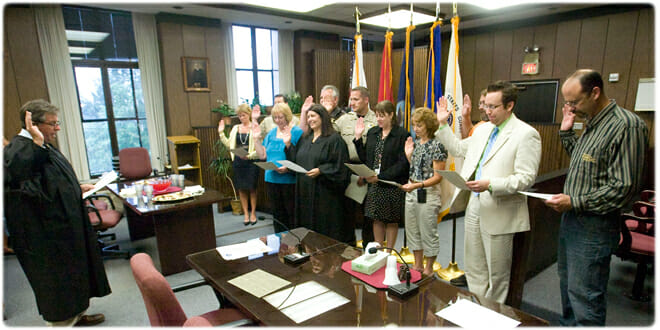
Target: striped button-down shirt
{"type": "Point", "coordinates": [606, 161]}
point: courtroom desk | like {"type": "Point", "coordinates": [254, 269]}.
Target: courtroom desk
{"type": "Point", "coordinates": [367, 306]}
{"type": "Point", "coordinates": [180, 227]}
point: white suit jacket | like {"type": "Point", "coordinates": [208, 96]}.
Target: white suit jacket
{"type": "Point", "coordinates": [511, 166]}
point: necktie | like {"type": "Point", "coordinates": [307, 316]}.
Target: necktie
{"type": "Point", "coordinates": [489, 146]}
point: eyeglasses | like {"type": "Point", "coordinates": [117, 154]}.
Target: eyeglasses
{"type": "Point", "coordinates": [573, 104]}
{"type": "Point", "coordinates": [491, 107]}
{"type": "Point", "coordinates": [54, 123]}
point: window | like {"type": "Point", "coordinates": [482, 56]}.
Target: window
{"type": "Point", "coordinates": [256, 62]}
{"type": "Point", "coordinates": [107, 76]}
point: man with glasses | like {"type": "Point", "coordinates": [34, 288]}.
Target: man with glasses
{"type": "Point", "coordinates": [606, 165]}
{"type": "Point", "coordinates": [467, 129]}
{"type": "Point", "coordinates": [501, 158]}
{"type": "Point", "coordinates": [48, 222]}
{"type": "Point", "coordinates": [268, 124]}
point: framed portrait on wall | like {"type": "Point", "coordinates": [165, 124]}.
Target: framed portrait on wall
{"type": "Point", "coordinates": [195, 74]}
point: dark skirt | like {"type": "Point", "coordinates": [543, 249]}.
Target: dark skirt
{"type": "Point", "coordinates": [246, 174]}
{"type": "Point", "coordinates": [384, 203]}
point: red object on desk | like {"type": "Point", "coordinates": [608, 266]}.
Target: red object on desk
{"type": "Point", "coordinates": [376, 279]}
{"type": "Point", "coordinates": [169, 189]}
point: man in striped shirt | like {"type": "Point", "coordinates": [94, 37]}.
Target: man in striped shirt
{"type": "Point", "coordinates": [606, 165]}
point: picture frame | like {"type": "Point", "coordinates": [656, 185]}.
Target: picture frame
{"type": "Point", "coordinates": [195, 74]}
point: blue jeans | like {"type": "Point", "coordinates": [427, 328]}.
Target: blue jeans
{"type": "Point", "coordinates": [586, 243]}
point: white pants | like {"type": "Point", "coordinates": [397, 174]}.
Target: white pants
{"type": "Point", "coordinates": [487, 257]}
{"type": "Point", "coordinates": [422, 221]}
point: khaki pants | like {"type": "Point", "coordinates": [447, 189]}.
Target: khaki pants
{"type": "Point", "coordinates": [487, 257]}
{"type": "Point", "coordinates": [422, 221]}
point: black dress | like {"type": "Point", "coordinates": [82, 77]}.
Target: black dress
{"type": "Point", "coordinates": [320, 200]}
{"type": "Point", "coordinates": [245, 172]}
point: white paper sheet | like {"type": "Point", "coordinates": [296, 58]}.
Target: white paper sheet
{"type": "Point", "coordinates": [293, 166]}
{"type": "Point", "coordinates": [361, 170]}
{"type": "Point", "coordinates": [266, 165]}
{"type": "Point", "coordinates": [240, 152]}
{"type": "Point", "coordinates": [537, 195]}
{"type": "Point", "coordinates": [258, 283]}
{"type": "Point", "coordinates": [455, 179]}
{"type": "Point", "coordinates": [467, 314]}
{"type": "Point", "coordinates": [315, 306]}
{"type": "Point", "coordinates": [105, 180]}
{"type": "Point", "coordinates": [355, 192]}
{"type": "Point", "coordinates": [242, 250]}
{"type": "Point", "coordinates": [304, 291]}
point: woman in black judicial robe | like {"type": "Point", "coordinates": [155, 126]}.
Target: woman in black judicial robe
{"type": "Point", "coordinates": [320, 191]}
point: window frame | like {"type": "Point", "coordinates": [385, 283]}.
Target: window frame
{"type": "Point", "coordinates": [255, 69]}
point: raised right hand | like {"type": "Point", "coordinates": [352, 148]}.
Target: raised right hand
{"type": "Point", "coordinates": [359, 128]}
{"type": "Point", "coordinates": [256, 132]}
{"type": "Point", "coordinates": [443, 113]}
{"type": "Point", "coordinates": [37, 136]}
{"type": "Point", "coordinates": [256, 113]}
{"type": "Point", "coordinates": [309, 101]}
{"type": "Point", "coordinates": [221, 127]}
{"type": "Point", "coordinates": [467, 106]}
{"type": "Point", "coordinates": [286, 136]}
{"type": "Point", "coordinates": [409, 147]}
{"type": "Point", "coordinates": [568, 119]}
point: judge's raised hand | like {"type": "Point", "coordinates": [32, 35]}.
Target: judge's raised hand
{"type": "Point", "coordinates": [221, 127]}
{"type": "Point", "coordinates": [467, 106]}
{"type": "Point", "coordinates": [314, 172]}
{"type": "Point", "coordinates": [37, 136]}
{"type": "Point", "coordinates": [409, 147]}
{"type": "Point", "coordinates": [309, 101]}
{"type": "Point", "coordinates": [256, 113]}
{"type": "Point", "coordinates": [359, 128]}
{"type": "Point", "coordinates": [443, 113]}
{"type": "Point", "coordinates": [568, 119]}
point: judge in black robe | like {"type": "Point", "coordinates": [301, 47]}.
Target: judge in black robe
{"type": "Point", "coordinates": [49, 225]}
{"type": "Point", "coordinates": [320, 192]}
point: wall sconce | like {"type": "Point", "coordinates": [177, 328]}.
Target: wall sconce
{"type": "Point", "coordinates": [533, 49]}
{"type": "Point", "coordinates": [530, 64]}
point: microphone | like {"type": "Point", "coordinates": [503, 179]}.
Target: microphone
{"type": "Point", "coordinates": [401, 290]}
{"type": "Point", "coordinates": [292, 259]}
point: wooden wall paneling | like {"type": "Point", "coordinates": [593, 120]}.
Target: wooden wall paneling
{"type": "Point", "coordinates": [217, 74]}
{"type": "Point", "coordinates": [523, 37]}
{"type": "Point", "coordinates": [12, 102]}
{"type": "Point", "coordinates": [483, 61]}
{"type": "Point", "coordinates": [643, 55]}
{"type": "Point", "coordinates": [565, 56]}
{"type": "Point", "coordinates": [420, 71]}
{"type": "Point", "coordinates": [23, 42]}
{"type": "Point", "coordinates": [176, 104]}
{"type": "Point", "coordinates": [326, 64]}
{"type": "Point", "coordinates": [619, 45]}
{"type": "Point", "coordinates": [503, 55]}
{"type": "Point", "coordinates": [592, 43]}
{"type": "Point", "coordinates": [194, 45]}
{"type": "Point", "coordinates": [466, 62]}
{"type": "Point", "coordinates": [553, 156]}
{"type": "Point", "coordinates": [545, 37]}
{"type": "Point", "coordinates": [372, 71]}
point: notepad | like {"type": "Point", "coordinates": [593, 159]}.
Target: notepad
{"type": "Point", "coordinates": [305, 301]}
{"type": "Point", "coordinates": [467, 314]}
{"type": "Point", "coordinates": [258, 283]}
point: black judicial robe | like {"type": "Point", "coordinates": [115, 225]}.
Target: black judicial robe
{"type": "Point", "coordinates": [50, 230]}
{"type": "Point", "coordinates": [319, 202]}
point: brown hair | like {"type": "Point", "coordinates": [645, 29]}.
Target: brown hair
{"type": "Point", "coordinates": [427, 117]}
{"type": "Point", "coordinates": [386, 107]}
{"type": "Point", "coordinates": [39, 108]}
{"type": "Point", "coordinates": [282, 108]}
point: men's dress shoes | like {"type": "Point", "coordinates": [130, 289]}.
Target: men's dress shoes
{"type": "Point", "coordinates": [88, 320]}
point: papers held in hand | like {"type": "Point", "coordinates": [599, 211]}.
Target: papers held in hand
{"type": "Point", "coordinates": [293, 166]}
{"type": "Point", "coordinates": [240, 152]}
{"type": "Point", "coordinates": [106, 179]}
{"type": "Point", "coordinates": [267, 165]}
{"type": "Point", "coordinates": [455, 178]}
{"type": "Point", "coordinates": [364, 171]}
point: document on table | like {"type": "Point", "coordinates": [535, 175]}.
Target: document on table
{"type": "Point", "coordinates": [105, 180]}
{"type": "Point", "coordinates": [240, 152]}
{"type": "Point", "coordinates": [266, 165]}
{"type": "Point", "coordinates": [537, 195]}
{"type": "Point", "coordinates": [293, 166]}
{"type": "Point", "coordinates": [364, 171]}
{"type": "Point", "coordinates": [305, 301]}
{"type": "Point", "coordinates": [242, 250]}
{"type": "Point", "coordinates": [258, 283]}
{"type": "Point", "coordinates": [455, 179]}
{"type": "Point", "coordinates": [467, 314]}
{"type": "Point", "coordinates": [355, 192]}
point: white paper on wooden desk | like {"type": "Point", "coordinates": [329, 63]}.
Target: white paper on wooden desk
{"type": "Point", "coordinates": [105, 180]}
{"type": "Point", "coordinates": [266, 165]}
{"type": "Point", "coordinates": [467, 314]}
{"type": "Point", "coordinates": [285, 298]}
{"type": "Point", "coordinates": [537, 195]}
{"type": "Point", "coordinates": [240, 152]}
{"type": "Point", "coordinates": [258, 283]}
{"type": "Point", "coordinates": [293, 166]}
{"type": "Point", "coordinates": [355, 192]}
{"type": "Point", "coordinates": [315, 306]}
{"type": "Point", "coordinates": [455, 179]}
{"type": "Point", "coordinates": [242, 250]}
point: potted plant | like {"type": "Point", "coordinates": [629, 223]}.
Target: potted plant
{"type": "Point", "coordinates": [226, 111]}
{"type": "Point", "coordinates": [295, 102]}
{"type": "Point", "coordinates": [222, 167]}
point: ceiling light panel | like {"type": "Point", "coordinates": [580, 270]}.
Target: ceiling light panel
{"type": "Point", "coordinates": [80, 50]}
{"type": "Point", "coordinates": [399, 19]}
{"type": "Point", "coordinates": [299, 6]}
{"type": "Point", "coordinates": [86, 36]}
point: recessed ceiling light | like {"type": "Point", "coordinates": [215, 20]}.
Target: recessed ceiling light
{"type": "Point", "coordinates": [494, 5]}
{"type": "Point", "coordinates": [398, 19]}
{"type": "Point", "coordinates": [89, 36]}
{"type": "Point", "coordinates": [80, 50]}
{"type": "Point", "coordinates": [300, 6]}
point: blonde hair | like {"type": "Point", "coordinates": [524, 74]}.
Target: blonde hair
{"type": "Point", "coordinates": [282, 108]}
{"type": "Point", "coordinates": [243, 108]}
{"type": "Point", "coordinates": [427, 117]}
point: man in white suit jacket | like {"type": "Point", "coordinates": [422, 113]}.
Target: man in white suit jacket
{"type": "Point", "coordinates": [501, 158]}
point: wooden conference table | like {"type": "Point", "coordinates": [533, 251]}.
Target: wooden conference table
{"type": "Point", "coordinates": [180, 228]}
{"type": "Point", "coordinates": [367, 306]}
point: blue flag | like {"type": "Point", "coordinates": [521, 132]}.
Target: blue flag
{"type": "Point", "coordinates": [406, 98]}
{"type": "Point", "coordinates": [433, 84]}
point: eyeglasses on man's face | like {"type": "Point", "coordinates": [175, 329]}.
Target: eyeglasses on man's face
{"type": "Point", "coordinates": [492, 106]}
{"type": "Point", "coordinates": [52, 123]}
{"type": "Point", "coordinates": [574, 103]}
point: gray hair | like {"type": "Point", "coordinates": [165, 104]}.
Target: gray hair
{"type": "Point", "coordinates": [335, 91]}
{"type": "Point", "coordinates": [39, 109]}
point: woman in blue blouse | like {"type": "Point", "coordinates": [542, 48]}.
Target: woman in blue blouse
{"type": "Point", "coordinates": [280, 183]}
